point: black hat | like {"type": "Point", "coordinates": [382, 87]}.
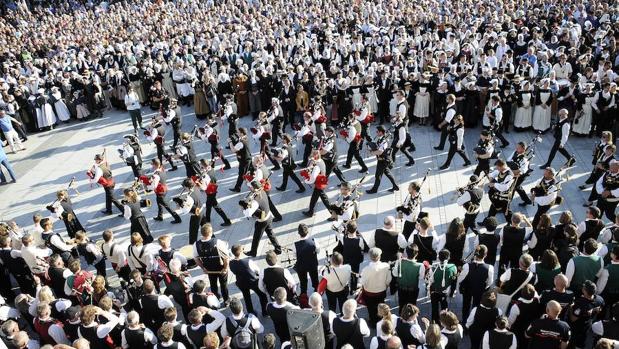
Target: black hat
{"type": "Point", "coordinates": [380, 128]}
{"type": "Point", "coordinates": [473, 179]}
{"type": "Point", "coordinates": [490, 223]}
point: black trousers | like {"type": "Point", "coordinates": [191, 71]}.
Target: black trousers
{"type": "Point", "coordinates": [507, 261]}
{"type": "Point", "coordinates": [317, 193]}
{"type": "Point", "coordinates": [444, 134]}
{"type": "Point", "coordinates": [521, 192]}
{"type": "Point", "coordinates": [553, 152]}
{"type": "Point", "coordinates": [499, 134]}
{"type": "Point", "coordinates": [594, 176]}
{"type": "Point", "coordinates": [607, 207]}
{"type": "Point", "coordinates": [408, 229]}
{"type": "Point", "coordinates": [219, 280]}
{"type": "Point", "coordinates": [162, 154]}
{"type": "Point", "coordinates": [407, 296]}
{"type": "Point", "coordinates": [453, 149]}
{"type": "Point", "coordinates": [483, 165]}
{"type": "Point", "coordinates": [540, 211]}
{"type": "Point", "coordinates": [111, 199]}
{"type": "Point", "coordinates": [403, 149]}
{"type": "Point", "coordinates": [289, 173]}
{"type": "Point", "coordinates": [261, 228]}
{"type": "Point", "coordinates": [470, 221]}
{"type": "Point", "coordinates": [136, 119]}
{"type": "Point", "coordinates": [439, 302]}
{"type": "Point", "coordinates": [313, 274]}
{"type": "Point", "coordinates": [163, 202]}
{"type": "Point", "coordinates": [353, 151]}
{"type": "Point", "coordinates": [277, 131]}
{"type": "Point", "coordinates": [501, 206]}
{"type": "Point", "coordinates": [195, 223]}
{"type": "Point", "coordinates": [246, 291]}
{"type": "Point", "coordinates": [136, 169]}
{"type": "Point", "coordinates": [469, 301]}
{"type": "Point", "coordinates": [372, 302]}
{"type": "Point", "coordinates": [176, 131]}
{"type": "Point", "coordinates": [307, 151]}
{"type": "Point", "coordinates": [239, 179]}
{"type": "Point", "coordinates": [382, 168]}
{"type": "Point", "coordinates": [212, 203]}
{"type": "Point", "coordinates": [272, 207]}
{"type": "Point", "coordinates": [335, 298]}
{"type": "Point", "coordinates": [331, 166]}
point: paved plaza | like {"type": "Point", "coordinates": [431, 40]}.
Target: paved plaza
{"type": "Point", "coordinates": [53, 158]}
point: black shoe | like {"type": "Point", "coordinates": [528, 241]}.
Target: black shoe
{"type": "Point", "coordinates": [227, 167]}
{"type": "Point", "coordinates": [410, 163]}
{"type": "Point", "coordinates": [582, 187]}
{"type": "Point", "coordinates": [396, 188]}
{"type": "Point", "coordinates": [524, 203]}
{"type": "Point", "coordinates": [346, 166]}
{"type": "Point", "coordinates": [278, 251]}
{"type": "Point", "coordinates": [121, 215]}
{"type": "Point", "coordinates": [444, 167]}
{"type": "Point", "coordinates": [363, 170]}
{"type": "Point", "coordinates": [481, 224]}
{"type": "Point", "coordinates": [174, 168]}
{"type": "Point", "coordinates": [468, 163]}
{"type": "Point", "coordinates": [226, 223]}
{"type": "Point", "coordinates": [331, 219]}
{"type": "Point", "coordinates": [176, 221]}
{"type": "Point", "coordinates": [280, 188]}
{"type": "Point", "coordinates": [236, 190]}
{"type": "Point", "coordinates": [412, 148]}
{"type": "Point", "coordinates": [107, 212]}
{"type": "Point", "coordinates": [158, 218]}
{"type": "Point", "coordinates": [571, 162]}
{"type": "Point", "coordinates": [308, 213]}
{"type": "Point", "coordinates": [504, 145]}
{"type": "Point", "coordinates": [276, 168]}
{"type": "Point", "coordinates": [439, 148]}
{"type": "Point", "coordinates": [371, 191]}
{"type": "Point", "coordinates": [277, 219]}
{"type": "Point", "coordinates": [250, 254]}
{"type": "Point", "coordinates": [301, 190]}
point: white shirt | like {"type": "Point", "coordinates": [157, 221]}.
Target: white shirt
{"type": "Point", "coordinates": [57, 333]}
{"type": "Point", "coordinates": [465, 272]}
{"type": "Point", "coordinates": [118, 256]}
{"type": "Point", "coordinates": [375, 277]}
{"type": "Point", "coordinates": [363, 326]}
{"type": "Point", "coordinates": [163, 302]}
{"type": "Point", "coordinates": [402, 243]}
{"type": "Point", "coordinates": [103, 329]}
{"type": "Point", "coordinates": [337, 277]}
{"type": "Point", "coordinates": [146, 261]}
{"type": "Point", "coordinates": [599, 187]}
{"type": "Point", "coordinates": [132, 101]}
{"type": "Point", "coordinates": [507, 182]}
{"type": "Point", "coordinates": [35, 258]}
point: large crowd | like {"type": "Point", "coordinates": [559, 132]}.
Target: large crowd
{"type": "Point", "coordinates": [367, 72]}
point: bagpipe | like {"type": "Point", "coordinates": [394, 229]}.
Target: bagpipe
{"type": "Point", "coordinates": [529, 154]}
{"type": "Point", "coordinates": [321, 181]}
{"type": "Point", "coordinates": [136, 186]}
{"type": "Point", "coordinates": [412, 204]}
{"type": "Point", "coordinates": [56, 207]}
{"type": "Point", "coordinates": [158, 139]}
{"type": "Point", "coordinates": [185, 202]}
{"type": "Point", "coordinates": [106, 180]}
{"type": "Point", "coordinates": [211, 187]}
{"type": "Point", "coordinates": [343, 131]}
{"type": "Point", "coordinates": [306, 138]}
{"type": "Point", "coordinates": [463, 189]}
{"type": "Point", "coordinates": [355, 197]}
{"type": "Point", "coordinates": [145, 183]}
{"type": "Point", "coordinates": [368, 119]}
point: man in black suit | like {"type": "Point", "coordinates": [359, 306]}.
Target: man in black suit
{"type": "Point", "coordinates": [383, 93]}
{"type": "Point", "coordinates": [287, 100]}
{"type": "Point", "coordinates": [307, 258]}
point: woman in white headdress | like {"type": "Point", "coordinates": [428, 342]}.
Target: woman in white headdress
{"type": "Point", "coordinates": [582, 122]}
{"type": "Point", "coordinates": [135, 81]}
{"type": "Point", "coordinates": [62, 111]}
{"type": "Point", "coordinates": [44, 110]}
{"type": "Point", "coordinates": [422, 99]}
{"type": "Point", "coordinates": [522, 120]}
{"type": "Point", "coordinates": [543, 104]}
{"type": "Point", "coordinates": [166, 81]}
{"type": "Point", "coordinates": [371, 92]}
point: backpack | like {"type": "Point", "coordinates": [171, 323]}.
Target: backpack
{"type": "Point", "coordinates": [243, 336]}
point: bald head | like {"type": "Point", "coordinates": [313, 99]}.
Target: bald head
{"type": "Point", "coordinates": [553, 309]}
{"type": "Point", "coordinates": [560, 282]}
{"type": "Point", "coordinates": [394, 342]}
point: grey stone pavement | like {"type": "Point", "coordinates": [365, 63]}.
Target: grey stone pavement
{"type": "Point", "coordinates": [53, 158]}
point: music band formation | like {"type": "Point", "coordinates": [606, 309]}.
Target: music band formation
{"type": "Point", "coordinates": [532, 283]}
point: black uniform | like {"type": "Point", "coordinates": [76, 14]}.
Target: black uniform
{"type": "Point", "coordinates": [383, 165]}
{"type": "Point", "coordinates": [263, 218]}
{"type": "Point", "coordinates": [307, 262]}
{"type": "Point", "coordinates": [246, 281]}
{"type": "Point", "coordinates": [244, 157]}
{"type": "Point", "coordinates": [289, 166]}
{"type": "Point", "coordinates": [138, 222]}
{"type": "Point", "coordinates": [608, 205]}
{"type": "Point", "coordinates": [453, 147]}
{"type": "Point", "coordinates": [212, 260]}
{"type": "Point", "coordinates": [197, 219]}
{"type": "Point", "coordinates": [160, 197]}
{"type": "Point", "coordinates": [330, 159]}
{"type": "Point", "coordinates": [558, 134]}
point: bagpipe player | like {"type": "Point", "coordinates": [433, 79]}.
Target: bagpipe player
{"type": "Point", "coordinates": [156, 134]}
{"type": "Point", "coordinates": [286, 158]}
{"type": "Point", "coordinates": [484, 152]}
{"type": "Point", "coordinates": [133, 212]}
{"type": "Point", "coordinates": [101, 174]}
{"type": "Point", "coordinates": [315, 175]}
{"type": "Point", "coordinates": [207, 181]}
{"type": "Point", "coordinates": [256, 206]}
{"type": "Point", "coordinates": [131, 153]}
{"type": "Point", "coordinates": [189, 202]}
{"type": "Point", "coordinates": [157, 182]}
{"type": "Point", "coordinates": [352, 131]}
{"type": "Point", "coordinates": [545, 194]}
{"type": "Point", "coordinates": [62, 208]}
{"type": "Point", "coordinates": [470, 199]}
{"type": "Point", "coordinates": [382, 150]}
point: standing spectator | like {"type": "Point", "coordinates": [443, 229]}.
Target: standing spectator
{"type": "Point", "coordinates": [4, 161]}
{"type": "Point", "coordinates": [375, 279]}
